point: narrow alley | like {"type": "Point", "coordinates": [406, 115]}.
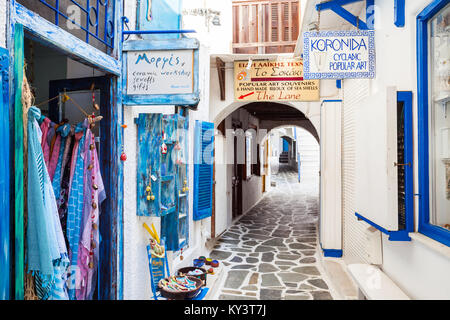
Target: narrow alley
{"type": "Point", "coordinates": [271, 252]}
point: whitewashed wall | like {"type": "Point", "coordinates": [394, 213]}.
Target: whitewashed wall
{"type": "Point", "coordinates": [420, 267]}
{"type": "Point", "coordinates": [217, 38]}
{"type": "Point", "coordinates": [3, 21]}
{"type": "Point", "coordinates": [136, 274]}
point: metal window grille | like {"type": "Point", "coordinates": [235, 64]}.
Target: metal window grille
{"type": "Point", "coordinates": [92, 11]}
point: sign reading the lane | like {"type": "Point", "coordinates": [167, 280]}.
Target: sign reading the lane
{"type": "Point", "coordinates": [276, 80]}
{"type": "Point", "coordinates": [339, 54]}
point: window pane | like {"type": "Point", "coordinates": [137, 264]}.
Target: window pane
{"type": "Point", "coordinates": [440, 119]}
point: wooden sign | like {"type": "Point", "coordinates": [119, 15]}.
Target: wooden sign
{"type": "Point", "coordinates": [160, 72]}
{"type": "Point", "coordinates": [339, 54]}
{"type": "Point", "coordinates": [276, 80]}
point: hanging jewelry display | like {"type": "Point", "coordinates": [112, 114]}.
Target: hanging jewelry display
{"type": "Point", "coordinates": [123, 156]}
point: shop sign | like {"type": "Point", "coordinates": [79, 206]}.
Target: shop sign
{"type": "Point", "coordinates": [274, 80]}
{"type": "Point", "coordinates": [339, 54]}
{"type": "Point", "coordinates": [160, 72]}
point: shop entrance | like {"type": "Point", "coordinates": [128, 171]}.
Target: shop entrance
{"type": "Point", "coordinates": [77, 99]}
{"type": "Point", "coordinates": [86, 92]}
{"type": "Point", "coordinates": [236, 178]}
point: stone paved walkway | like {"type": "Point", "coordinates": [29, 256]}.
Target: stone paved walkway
{"type": "Point", "coordinates": [270, 253]}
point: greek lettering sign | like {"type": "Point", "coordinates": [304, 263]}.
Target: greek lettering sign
{"type": "Point", "coordinates": [276, 80]}
{"type": "Point", "coordinates": [339, 54]}
{"type": "Point", "coordinates": [160, 72]}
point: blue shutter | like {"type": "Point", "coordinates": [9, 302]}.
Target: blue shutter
{"type": "Point", "coordinates": [203, 169]}
{"type": "Point", "coordinates": [5, 252]}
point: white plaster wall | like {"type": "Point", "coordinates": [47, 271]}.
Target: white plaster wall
{"type": "Point", "coordinates": [4, 5]}
{"type": "Point", "coordinates": [422, 273]}
{"type": "Point", "coordinates": [136, 271]}
{"type": "Point", "coordinates": [136, 274]}
{"type": "Point", "coordinates": [217, 38]}
{"type": "Point", "coordinates": [330, 172]}
{"type": "Point", "coordinates": [222, 194]}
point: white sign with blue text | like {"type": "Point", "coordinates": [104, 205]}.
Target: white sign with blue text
{"type": "Point", "coordinates": [160, 72]}
{"type": "Point", "coordinates": [339, 54]}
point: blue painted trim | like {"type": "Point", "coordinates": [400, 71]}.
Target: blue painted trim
{"type": "Point", "coordinates": [435, 232]}
{"type": "Point", "coordinates": [331, 100]}
{"type": "Point", "coordinates": [161, 99]}
{"type": "Point", "coordinates": [401, 235]}
{"type": "Point", "coordinates": [5, 218]}
{"type": "Point", "coordinates": [177, 44]}
{"type": "Point", "coordinates": [332, 253]}
{"type": "Point", "coordinates": [399, 13]}
{"type": "Point", "coordinates": [158, 32]}
{"type": "Point", "coordinates": [407, 98]}
{"type": "Point", "coordinates": [191, 99]}
{"type": "Point", "coordinates": [336, 7]}
{"type": "Point", "coordinates": [339, 84]}
{"type": "Point", "coordinates": [61, 40]}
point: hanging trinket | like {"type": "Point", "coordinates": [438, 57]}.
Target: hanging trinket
{"type": "Point", "coordinates": [181, 254]}
{"type": "Point", "coordinates": [123, 156]}
{"type": "Point", "coordinates": [185, 187]}
{"type": "Point", "coordinates": [163, 148]}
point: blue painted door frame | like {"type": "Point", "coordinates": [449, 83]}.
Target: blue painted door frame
{"type": "Point", "coordinates": [5, 221]}
{"type": "Point", "coordinates": [50, 35]}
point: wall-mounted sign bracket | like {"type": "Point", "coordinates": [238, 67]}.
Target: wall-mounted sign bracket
{"type": "Point", "coordinates": [337, 7]}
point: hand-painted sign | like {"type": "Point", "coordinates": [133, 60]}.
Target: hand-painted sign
{"type": "Point", "coordinates": [276, 80]}
{"type": "Point", "coordinates": [339, 54]}
{"type": "Point", "coordinates": [160, 72]}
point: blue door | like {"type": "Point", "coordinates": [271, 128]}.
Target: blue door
{"type": "Point", "coordinates": [285, 145]}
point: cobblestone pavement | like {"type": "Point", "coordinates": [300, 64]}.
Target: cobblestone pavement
{"type": "Point", "coordinates": [270, 253]}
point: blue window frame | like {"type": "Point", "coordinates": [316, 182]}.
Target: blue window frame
{"type": "Point", "coordinates": [435, 232]}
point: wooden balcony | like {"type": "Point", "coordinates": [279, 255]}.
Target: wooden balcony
{"type": "Point", "coordinates": [265, 26]}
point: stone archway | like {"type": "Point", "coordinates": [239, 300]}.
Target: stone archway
{"type": "Point", "coordinates": [284, 115]}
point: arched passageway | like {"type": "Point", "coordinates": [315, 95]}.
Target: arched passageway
{"type": "Point", "coordinates": [270, 241]}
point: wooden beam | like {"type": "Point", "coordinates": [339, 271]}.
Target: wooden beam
{"type": "Point", "coordinates": [221, 72]}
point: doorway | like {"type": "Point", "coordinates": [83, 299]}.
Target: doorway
{"type": "Point", "coordinates": [237, 177]}
{"type": "Point", "coordinates": [51, 74]}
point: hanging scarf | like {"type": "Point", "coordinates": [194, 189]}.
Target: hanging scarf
{"type": "Point", "coordinates": [75, 207]}
{"type": "Point", "coordinates": [45, 241]}
{"type": "Point", "coordinates": [45, 127]}
{"type": "Point", "coordinates": [94, 194]}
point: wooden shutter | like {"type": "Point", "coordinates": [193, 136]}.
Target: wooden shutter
{"type": "Point", "coordinates": [203, 169]}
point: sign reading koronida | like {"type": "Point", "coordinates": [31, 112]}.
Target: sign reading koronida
{"type": "Point", "coordinates": [277, 80]}
{"type": "Point", "coordinates": [160, 72]}
{"type": "Point", "coordinates": [339, 54]}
